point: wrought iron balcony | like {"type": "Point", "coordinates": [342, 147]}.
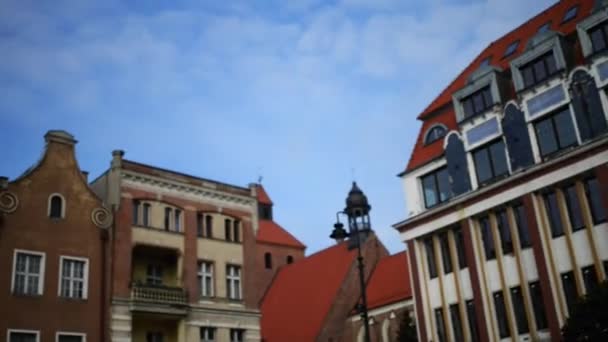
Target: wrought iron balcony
{"type": "Point", "coordinates": [158, 294]}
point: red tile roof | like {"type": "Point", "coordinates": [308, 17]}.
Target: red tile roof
{"type": "Point", "coordinates": [262, 195]}
{"type": "Point", "coordinates": [296, 305]}
{"type": "Point", "coordinates": [495, 51]}
{"type": "Point", "coordinates": [390, 281]}
{"type": "Point", "coordinates": [271, 232]}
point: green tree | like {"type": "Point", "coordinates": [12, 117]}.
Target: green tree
{"type": "Point", "coordinates": [407, 329]}
{"type": "Point", "coordinates": [588, 319]}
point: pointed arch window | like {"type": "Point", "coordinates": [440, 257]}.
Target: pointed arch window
{"type": "Point", "coordinates": [435, 133]}
{"type": "Point", "coordinates": [56, 206]}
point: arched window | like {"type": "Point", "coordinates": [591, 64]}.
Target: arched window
{"type": "Point", "coordinates": [435, 133]}
{"type": "Point", "coordinates": [56, 206]}
{"type": "Point", "coordinates": [268, 260]}
{"type": "Point", "coordinates": [289, 259]}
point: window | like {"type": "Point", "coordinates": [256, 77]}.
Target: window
{"type": "Point", "coordinates": [236, 335]}
{"type": "Point", "coordinates": [268, 260]}
{"type": "Point", "coordinates": [28, 273]}
{"type": "Point", "coordinates": [436, 187]}
{"type": "Point", "coordinates": [545, 27]}
{"type": "Point", "coordinates": [74, 277]}
{"type": "Point", "coordinates": [154, 275]}
{"type": "Point", "coordinates": [599, 37]}
{"type": "Point", "coordinates": [594, 198]}
{"type": "Point", "coordinates": [445, 252]}
{"type": "Point", "coordinates": [209, 226]}
{"type": "Point", "coordinates": [490, 162]}
{"type": "Point", "coordinates": [485, 61]}
{"type": "Point", "coordinates": [56, 209]}
{"type": "Point", "coordinates": [555, 221]}
{"type": "Point", "coordinates": [178, 214]}
{"type": "Point", "coordinates": [574, 208]}
{"type": "Point", "coordinates": [472, 321]}
{"type": "Point", "coordinates": [511, 49]}
{"type": "Point", "coordinates": [233, 282]}
{"type": "Point", "coordinates": [430, 257]}
{"type": "Point", "coordinates": [456, 323]}
{"type": "Point", "coordinates": [289, 259]}
{"type": "Point", "coordinates": [589, 278]}
{"type": "Point", "coordinates": [228, 229]}
{"type": "Point", "coordinates": [570, 14]}
{"type": "Point", "coordinates": [569, 288]}
{"type": "Point", "coordinates": [537, 305]}
{"type": "Point", "coordinates": [265, 211]}
{"type": "Point", "coordinates": [168, 218]}
{"type": "Point", "coordinates": [205, 278]}
{"type": "Point", "coordinates": [435, 133]}
{"type": "Point", "coordinates": [478, 102]}
{"type": "Point", "coordinates": [501, 315]}
{"type": "Point", "coordinates": [504, 230]}
{"type": "Point", "coordinates": [136, 205]}
{"type": "Point", "coordinates": [146, 215]}
{"type": "Point", "coordinates": [555, 133]}
{"type": "Point", "coordinates": [522, 225]}
{"type": "Point", "coordinates": [459, 239]}
{"type": "Point", "coordinates": [154, 336]}
{"type": "Point", "coordinates": [236, 226]}
{"type": "Point", "coordinates": [70, 337]}
{"type": "Point", "coordinates": [517, 299]}
{"type": "Point", "coordinates": [199, 225]}
{"type": "Point", "coordinates": [441, 333]}
{"type": "Point", "coordinates": [23, 336]}
{"type": "Point", "coordinates": [538, 70]}
{"type": "Point", "coordinates": [207, 334]}
{"type": "Point", "coordinates": [488, 239]}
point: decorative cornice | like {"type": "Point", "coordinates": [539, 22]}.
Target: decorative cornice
{"type": "Point", "coordinates": [8, 202]}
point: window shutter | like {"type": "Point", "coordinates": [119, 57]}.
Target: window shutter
{"type": "Point", "coordinates": [518, 140]}
{"type": "Point", "coordinates": [457, 165]}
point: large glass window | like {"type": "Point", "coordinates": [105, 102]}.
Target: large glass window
{"type": "Point", "coordinates": [569, 288]}
{"type": "Point", "coordinates": [28, 274]}
{"type": "Point", "coordinates": [430, 257]}
{"type": "Point", "coordinates": [555, 132]}
{"type": "Point", "coordinates": [522, 225]}
{"type": "Point", "coordinates": [456, 323]}
{"type": "Point", "coordinates": [537, 305]}
{"type": "Point", "coordinates": [459, 239]}
{"type": "Point", "coordinates": [555, 220]}
{"type": "Point", "coordinates": [490, 162]}
{"type": "Point", "coordinates": [594, 198]}
{"type": "Point", "coordinates": [590, 278]}
{"type": "Point", "coordinates": [501, 315]}
{"type": "Point", "coordinates": [574, 208]}
{"type": "Point", "coordinates": [478, 102]}
{"type": "Point", "coordinates": [441, 333]}
{"type": "Point", "coordinates": [599, 37]}
{"type": "Point", "coordinates": [472, 320]}
{"type": "Point", "coordinates": [517, 299]}
{"type": "Point", "coordinates": [486, 235]}
{"type": "Point", "coordinates": [445, 252]}
{"type": "Point", "coordinates": [73, 278]}
{"type": "Point", "coordinates": [504, 231]}
{"type": "Point", "coordinates": [539, 69]}
{"type": "Point", "coordinates": [436, 187]}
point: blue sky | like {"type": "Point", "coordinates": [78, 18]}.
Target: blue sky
{"type": "Point", "coordinates": [309, 94]}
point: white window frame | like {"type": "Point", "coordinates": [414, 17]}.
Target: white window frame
{"type": "Point", "coordinates": [70, 333]}
{"type": "Point", "coordinates": [232, 278]}
{"type": "Point", "coordinates": [206, 338]}
{"type": "Point", "coordinates": [23, 331]}
{"type": "Point", "coordinates": [85, 284]}
{"type": "Point", "coordinates": [469, 147]}
{"type": "Point", "coordinates": [63, 205]}
{"type": "Point", "coordinates": [41, 274]}
{"type": "Point", "coordinates": [235, 331]}
{"type": "Point", "coordinates": [204, 274]}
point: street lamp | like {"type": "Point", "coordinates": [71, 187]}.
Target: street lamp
{"type": "Point", "coordinates": [357, 210]}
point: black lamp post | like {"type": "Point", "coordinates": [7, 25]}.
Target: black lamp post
{"type": "Point", "coordinates": [357, 210]}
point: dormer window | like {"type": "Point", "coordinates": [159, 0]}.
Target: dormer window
{"type": "Point", "coordinates": [485, 61]}
{"type": "Point", "coordinates": [265, 211]}
{"type": "Point", "coordinates": [544, 28]}
{"type": "Point", "coordinates": [539, 69]}
{"type": "Point", "coordinates": [599, 37]}
{"type": "Point", "coordinates": [56, 206]}
{"type": "Point", "coordinates": [570, 14]}
{"type": "Point", "coordinates": [511, 49]}
{"type": "Point", "coordinates": [435, 133]}
{"type": "Point", "coordinates": [478, 102]}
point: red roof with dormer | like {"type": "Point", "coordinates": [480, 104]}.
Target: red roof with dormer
{"type": "Point", "coordinates": [272, 233]}
{"type": "Point", "coordinates": [390, 281]}
{"type": "Point", "coordinates": [441, 109]}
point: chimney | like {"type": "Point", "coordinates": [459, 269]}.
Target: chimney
{"type": "Point", "coordinates": [117, 158]}
{"type": "Point", "coordinates": [59, 136]}
{"type": "Point", "coordinates": [3, 182]}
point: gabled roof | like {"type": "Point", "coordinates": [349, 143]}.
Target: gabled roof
{"type": "Point", "coordinates": [270, 232]}
{"type": "Point", "coordinates": [297, 303]}
{"type": "Point", "coordinates": [263, 195]}
{"type": "Point", "coordinates": [495, 51]}
{"type": "Point", "coordinates": [390, 281]}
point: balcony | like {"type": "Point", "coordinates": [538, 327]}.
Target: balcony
{"type": "Point", "coordinates": [158, 294]}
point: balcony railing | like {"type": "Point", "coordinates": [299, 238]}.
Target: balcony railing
{"type": "Point", "coordinates": [158, 294]}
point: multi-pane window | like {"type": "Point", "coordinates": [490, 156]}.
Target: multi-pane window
{"type": "Point", "coordinates": [28, 274]}
{"type": "Point", "coordinates": [70, 337]}
{"type": "Point", "coordinates": [478, 102]}
{"type": "Point", "coordinates": [205, 278]}
{"type": "Point", "coordinates": [146, 215]}
{"type": "Point", "coordinates": [589, 278]}
{"type": "Point", "coordinates": [445, 252]}
{"type": "Point", "coordinates": [56, 207]}
{"type": "Point", "coordinates": [472, 320]}
{"type": "Point", "coordinates": [504, 230]}
{"type": "Point", "coordinates": [517, 299]}
{"type": "Point", "coordinates": [488, 239]}
{"type": "Point", "coordinates": [599, 37]}
{"type": "Point", "coordinates": [154, 336]}
{"type": "Point", "coordinates": [459, 239]}
{"type": "Point", "coordinates": [569, 288]}
{"type": "Point", "coordinates": [436, 187]}
{"type": "Point", "coordinates": [501, 315]}
{"type": "Point", "coordinates": [154, 274]}
{"type": "Point", "coordinates": [522, 225]}
{"type": "Point", "coordinates": [456, 323]}
{"type": "Point", "coordinates": [435, 133]}
{"type": "Point", "coordinates": [430, 257]}
{"type": "Point", "coordinates": [537, 305]}
{"type": "Point", "coordinates": [208, 226]}
{"type": "Point", "coordinates": [228, 229]}
{"type": "Point", "coordinates": [237, 335]}
{"type": "Point", "coordinates": [207, 334]}
{"type": "Point", "coordinates": [555, 132]}
{"type": "Point", "coordinates": [539, 69]}
{"type": "Point", "coordinates": [22, 336]}
{"type": "Point", "coordinates": [233, 282]}
{"type": "Point", "coordinates": [574, 208]}
{"type": "Point", "coordinates": [441, 333]}
{"type": "Point", "coordinates": [177, 224]}
{"type": "Point", "coordinates": [490, 162]}
{"type": "Point", "coordinates": [555, 221]}
{"type": "Point", "coordinates": [74, 275]}
{"type": "Point", "coordinates": [594, 198]}
{"type": "Point", "coordinates": [268, 260]}
{"type": "Point", "coordinates": [168, 212]}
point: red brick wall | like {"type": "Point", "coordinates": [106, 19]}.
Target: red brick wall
{"type": "Point", "coordinates": [264, 276]}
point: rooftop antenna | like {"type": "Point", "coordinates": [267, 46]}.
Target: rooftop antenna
{"type": "Point", "coordinates": [260, 177]}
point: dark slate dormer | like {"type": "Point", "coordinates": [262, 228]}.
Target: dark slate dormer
{"type": "Point", "coordinates": [484, 91]}
{"type": "Point", "coordinates": [593, 31]}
